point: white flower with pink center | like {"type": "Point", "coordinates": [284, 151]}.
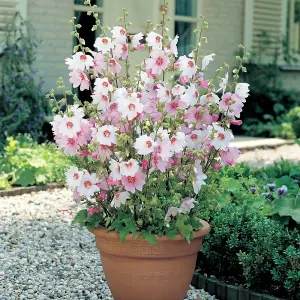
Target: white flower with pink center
{"type": "Point", "coordinates": [101, 100]}
{"type": "Point", "coordinates": [178, 142]}
{"type": "Point", "coordinates": [164, 149]}
{"type": "Point", "coordinates": [196, 138]}
{"type": "Point", "coordinates": [172, 48]}
{"type": "Point", "coordinates": [114, 67]}
{"type": "Point", "coordinates": [157, 62]}
{"type": "Point", "coordinates": [221, 137]}
{"type": "Point", "coordinates": [206, 60]}
{"type": "Point", "coordinates": [163, 94]}
{"type": "Point", "coordinates": [242, 89]}
{"type": "Point", "coordinates": [79, 61]}
{"type": "Point", "coordinates": [136, 40]}
{"type": "Point", "coordinates": [130, 107]}
{"type": "Point", "coordinates": [119, 34]}
{"type": "Point", "coordinates": [129, 168]}
{"type": "Point", "coordinates": [154, 40]}
{"type": "Point", "coordinates": [99, 63]}
{"type": "Point", "coordinates": [88, 185]}
{"type": "Point", "coordinates": [79, 78]}
{"type": "Point", "coordinates": [200, 177]}
{"type": "Point", "coordinates": [223, 83]}
{"type": "Point", "coordinates": [73, 176]}
{"type": "Point", "coordinates": [209, 99]}
{"type": "Point", "coordinates": [105, 135]}
{"type": "Point", "coordinates": [115, 168]}
{"type": "Point", "coordinates": [102, 86]}
{"type": "Point", "coordinates": [178, 90]}
{"type": "Point", "coordinates": [120, 51]}
{"type": "Point", "coordinates": [144, 145]}
{"type": "Point", "coordinates": [187, 66]}
{"type": "Point", "coordinates": [191, 95]}
{"type": "Point", "coordinates": [119, 198]}
{"type": "Point", "coordinates": [69, 126]}
{"type": "Point", "coordinates": [104, 44]}
{"type": "Point", "coordinates": [230, 155]}
{"type": "Point", "coordinates": [187, 204]}
{"type": "Point", "coordinates": [133, 183]}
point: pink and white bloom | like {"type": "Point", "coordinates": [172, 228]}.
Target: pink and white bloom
{"type": "Point", "coordinates": [101, 100]}
{"type": "Point", "coordinates": [178, 90]}
{"type": "Point", "coordinates": [178, 142]}
{"type": "Point", "coordinates": [191, 95]}
{"type": "Point", "coordinates": [130, 107]}
{"type": "Point", "coordinates": [230, 155]}
{"type": "Point", "coordinates": [232, 104]}
{"type": "Point", "coordinates": [200, 177]}
{"type": "Point", "coordinates": [119, 198]}
{"type": "Point", "coordinates": [69, 126]}
{"type": "Point", "coordinates": [115, 169]}
{"type": "Point", "coordinates": [223, 83]}
{"type": "Point", "coordinates": [99, 63]}
{"type": "Point", "coordinates": [104, 44]}
{"type": "Point", "coordinates": [196, 138]}
{"type": "Point", "coordinates": [136, 40]}
{"type": "Point", "coordinates": [114, 67]}
{"type": "Point", "coordinates": [93, 211]}
{"type": "Point", "coordinates": [105, 135]}
{"type": "Point", "coordinates": [163, 93]}
{"type": "Point", "coordinates": [73, 176]}
{"type": "Point", "coordinates": [164, 149]}
{"type": "Point", "coordinates": [120, 51]}
{"type": "Point", "coordinates": [209, 99]}
{"type": "Point", "coordinates": [172, 212]}
{"type": "Point", "coordinates": [88, 185]}
{"type": "Point", "coordinates": [206, 60]}
{"type": "Point", "coordinates": [187, 204]}
{"type": "Point", "coordinates": [157, 62]}
{"type": "Point", "coordinates": [221, 137]}
{"type": "Point", "coordinates": [80, 61]}
{"type": "Point", "coordinates": [102, 86]}
{"type": "Point", "coordinates": [129, 168]}
{"type": "Point", "coordinates": [242, 89]}
{"type": "Point", "coordinates": [173, 106]}
{"type": "Point", "coordinates": [154, 40]}
{"type": "Point", "coordinates": [133, 183]}
{"type": "Point", "coordinates": [79, 78]}
{"type": "Point", "coordinates": [119, 34]}
{"type": "Point", "coordinates": [172, 49]}
{"type": "Point", "coordinates": [144, 145]}
{"type": "Point", "coordinates": [187, 66]}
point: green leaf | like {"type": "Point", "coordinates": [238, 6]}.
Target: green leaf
{"type": "Point", "coordinates": [171, 234]}
{"type": "Point", "coordinates": [150, 238]}
{"type": "Point", "coordinates": [297, 142]}
{"type": "Point", "coordinates": [185, 230]}
{"type": "Point", "coordinates": [123, 233]}
{"type": "Point", "coordinates": [25, 177]}
{"type": "Point", "coordinates": [80, 217]}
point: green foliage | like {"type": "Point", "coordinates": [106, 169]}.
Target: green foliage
{"type": "Point", "coordinates": [24, 163]}
{"type": "Point", "coordinates": [294, 118]}
{"type": "Point", "coordinates": [24, 106]}
{"type": "Point", "coordinates": [252, 250]}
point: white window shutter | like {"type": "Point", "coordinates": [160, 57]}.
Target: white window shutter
{"type": "Point", "coordinates": [7, 10]}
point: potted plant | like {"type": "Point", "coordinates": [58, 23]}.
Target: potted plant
{"type": "Point", "coordinates": [142, 148]}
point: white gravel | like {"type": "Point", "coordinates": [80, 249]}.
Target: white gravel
{"type": "Point", "coordinates": [43, 256]}
{"type": "Point", "coordinates": [264, 157]}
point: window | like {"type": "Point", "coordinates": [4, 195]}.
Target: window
{"type": "Point", "coordinates": [186, 20]}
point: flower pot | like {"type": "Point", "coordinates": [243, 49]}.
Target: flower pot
{"type": "Point", "coordinates": [137, 270]}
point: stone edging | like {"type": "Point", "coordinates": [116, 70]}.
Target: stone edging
{"type": "Point", "coordinates": [224, 291]}
{"type": "Point", "coordinates": [15, 191]}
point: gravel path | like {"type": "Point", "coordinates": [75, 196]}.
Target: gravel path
{"type": "Point", "coordinates": [263, 157]}
{"type": "Point", "coordinates": [43, 256]}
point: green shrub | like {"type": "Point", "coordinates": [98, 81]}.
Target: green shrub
{"type": "Point", "coordinates": [23, 104]}
{"type": "Point", "coordinates": [24, 162]}
{"type": "Point", "coordinates": [294, 117]}
{"type": "Point", "coordinates": [252, 250]}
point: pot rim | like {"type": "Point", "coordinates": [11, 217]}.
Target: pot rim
{"type": "Point", "coordinates": [101, 231]}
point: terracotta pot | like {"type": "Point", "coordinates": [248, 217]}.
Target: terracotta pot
{"type": "Point", "coordinates": [136, 270]}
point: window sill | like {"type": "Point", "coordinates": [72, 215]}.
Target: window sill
{"type": "Point", "coordinates": [290, 68]}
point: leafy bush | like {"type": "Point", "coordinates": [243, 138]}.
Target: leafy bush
{"type": "Point", "coordinates": [24, 106]}
{"type": "Point", "coordinates": [294, 117]}
{"type": "Point", "coordinates": [24, 163]}
{"type": "Point", "coordinates": [252, 250]}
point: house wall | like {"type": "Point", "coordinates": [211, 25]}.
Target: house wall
{"type": "Point", "coordinates": [50, 19]}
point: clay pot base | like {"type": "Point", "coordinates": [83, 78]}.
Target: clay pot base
{"type": "Point", "coordinates": [136, 270]}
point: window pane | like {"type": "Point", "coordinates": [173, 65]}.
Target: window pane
{"type": "Point", "coordinates": [186, 8]}
{"type": "Point", "coordinates": [185, 32]}
{"type": "Point", "coordinates": [93, 2]}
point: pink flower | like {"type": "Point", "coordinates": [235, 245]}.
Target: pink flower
{"type": "Point", "coordinates": [103, 152]}
{"type": "Point", "coordinates": [218, 167]}
{"type": "Point", "coordinates": [163, 94]}
{"type": "Point", "coordinates": [178, 142]}
{"type": "Point", "coordinates": [79, 78]}
{"type": "Point", "coordinates": [191, 95]}
{"type": "Point", "coordinates": [130, 107]}
{"type": "Point", "coordinates": [88, 185]}
{"type": "Point", "coordinates": [173, 105]}
{"type": "Point", "coordinates": [196, 139]}
{"type": "Point", "coordinates": [183, 79]}
{"type": "Point", "coordinates": [172, 48]}
{"type": "Point", "coordinates": [154, 40]}
{"type": "Point", "coordinates": [69, 126]}
{"type": "Point", "coordinates": [136, 40]}
{"type": "Point", "coordinates": [121, 51]}
{"type": "Point", "coordinates": [158, 62]}
{"type": "Point", "coordinates": [93, 211]}
{"type": "Point", "coordinates": [114, 67]}
{"type": "Point", "coordinates": [70, 145]}
{"type": "Point", "coordinates": [105, 135]}
{"type": "Point", "coordinates": [101, 100]}
{"type": "Point", "coordinates": [178, 90]}
{"type": "Point", "coordinates": [119, 34]}
{"type": "Point", "coordinates": [236, 122]}
{"type": "Point", "coordinates": [104, 44]}
{"type": "Point", "coordinates": [221, 137]}
{"type": "Point", "coordinates": [230, 155]}
{"type": "Point", "coordinates": [129, 168]}
{"type": "Point", "coordinates": [187, 204]}
{"type": "Point", "coordinates": [144, 145]}
{"type": "Point", "coordinates": [133, 183]}
{"type": "Point", "coordinates": [85, 133]}
{"type": "Point", "coordinates": [99, 63]}
{"type": "Point", "coordinates": [145, 164]}
{"type": "Point", "coordinates": [232, 104]}
{"type": "Point", "coordinates": [102, 196]}
{"type": "Point", "coordinates": [80, 61]}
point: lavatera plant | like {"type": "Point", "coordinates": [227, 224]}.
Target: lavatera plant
{"type": "Point", "coordinates": [149, 137]}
